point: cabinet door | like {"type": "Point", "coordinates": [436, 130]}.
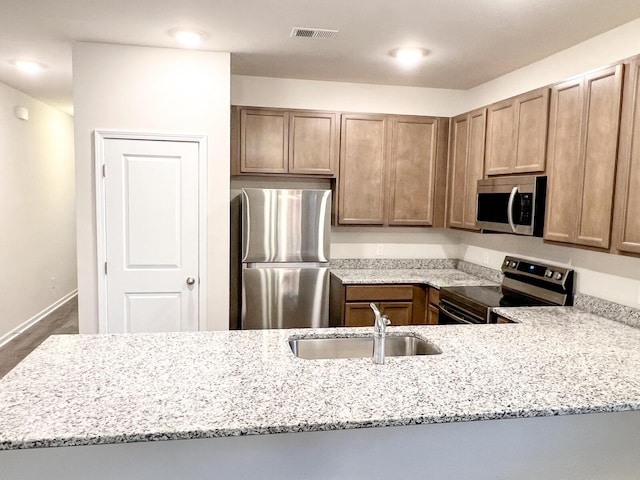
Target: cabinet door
{"type": "Point", "coordinates": [503, 320]}
{"type": "Point", "coordinates": [501, 137]}
{"type": "Point", "coordinates": [583, 140]}
{"type": "Point", "coordinates": [412, 170]}
{"type": "Point", "coordinates": [400, 313]}
{"type": "Point", "coordinates": [466, 166]}
{"type": "Point", "coordinates": [362, 198]}
{"type": "Point", "coordinates": [564, 187]}
{"type": "Point", "coordinates": [532, 110]}
{"type": "Point", "coordinates": [602, 121]}
{"type": "Point", "coordinates": [627, 220]}
{"type": "Point", "coordinates": [458, 170]}
{"type": "Point", "coordinates": [359, 315]}
{"type": "Point", "coordinates": [475, 167]}
{"type": "Point", "coordinates": [433, 313]}
{"type": "Point", "coordinates": [313, 143]}
{"type": "Point", "coordinates": [264, 144]}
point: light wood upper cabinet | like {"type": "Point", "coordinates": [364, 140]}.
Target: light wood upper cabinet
{"type": "Point", "coordinates": [626, 230]}
{"type": "Point", "coordinates": [291, 142]}
{"type": "Point", "coordinates": [363, 153]}
{"type": "Point", "coordinates": [389, 167]}
{"type": "Point", "coordinates": [531, 134]}
{"type": "Point", "coordinates": [264, 141]}
{"type": "Point", "coordinates": [564, 180]}
{"type": "Point", "coordinates": [501, 137]}
{"type": "Point", "coordinates": [516, 134]}
{"type": "Point", "coordinates": [312, 143]}
{"type": "Point", "coordinates": [412, 176]}
{"type": "Point", "coordinates": [582, 150]}
{"type": "Point", "coordinates": [466, 163]}
{"type": "Point", "coordinates": [458, 149]}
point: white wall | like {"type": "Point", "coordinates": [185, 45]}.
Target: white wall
{"type": "Point", "coordinates": [120, 87]}
{"type": "Point", "coordinates": [37, 216]}
{"type": "Point", "coordinates": [349, 97]}
{"type": "Point", "coordinates": [610, 47]}
{"type": "Point", "coordinates": [396, 242]}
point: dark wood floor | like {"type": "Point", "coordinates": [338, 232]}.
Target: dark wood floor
{"type": "Point", "coordinates": [63, 320]}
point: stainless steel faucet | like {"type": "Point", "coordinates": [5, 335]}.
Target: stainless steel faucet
{"type": "Point", "coordinates": [379, 333]}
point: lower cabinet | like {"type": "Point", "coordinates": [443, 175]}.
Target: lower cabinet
{"type": "Point", "coordinates": [349, 304]}
{"type": "Point", "coordinates": [500, 319]}
{"type": "Point", "coordinates": [433, 308]}
{"type": "Point", "coordinates": [358, 314]}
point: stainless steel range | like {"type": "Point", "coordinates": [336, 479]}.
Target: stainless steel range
{"type": "Point", "coordinates": [525, 283]}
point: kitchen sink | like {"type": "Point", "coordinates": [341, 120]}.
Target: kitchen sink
{"type": "Point", "coordinates": [358, 347]}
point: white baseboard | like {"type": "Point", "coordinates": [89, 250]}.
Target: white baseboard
{"type": "Point", "coordinates": [20, 329]}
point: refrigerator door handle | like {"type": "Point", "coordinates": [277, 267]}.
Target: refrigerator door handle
{"type": "Point", "coordinates": [287, 265]}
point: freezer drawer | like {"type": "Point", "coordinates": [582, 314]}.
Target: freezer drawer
{"type": "Point", "coordinates": [285, 297]}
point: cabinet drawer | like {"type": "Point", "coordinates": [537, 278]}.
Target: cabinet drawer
{"type": "Point", "coordinates": [361, 315]}
{"type": "Point", "coordinates": [434, 296]}
{"type": "Point", "coordinates": [377, 292]}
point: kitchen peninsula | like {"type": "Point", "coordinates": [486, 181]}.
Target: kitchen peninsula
{"type": "Point", "coordinates": [555, 396]}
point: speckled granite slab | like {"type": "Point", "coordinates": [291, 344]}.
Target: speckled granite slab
{"type": "Point", "coordinates": [441, 272]}
{"type": "Point", "coordinates": [607, 309]}
{"type": "Point", "coordinates": [480, 271]}
{"type": "Point", "coordinates": [100, 389]}
{"type": "Point", "coordinates": [438, 278]}
{"type": "Point", "coordinates": [494, 276]}
{"type": "Point", "coordinates": [395, 263]}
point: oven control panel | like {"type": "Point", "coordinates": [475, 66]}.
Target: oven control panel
{"type": "Point", "coordinates": [547, 273]}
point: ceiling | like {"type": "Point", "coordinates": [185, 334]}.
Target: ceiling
{"type": "Point", "coordinates": [470, 41]}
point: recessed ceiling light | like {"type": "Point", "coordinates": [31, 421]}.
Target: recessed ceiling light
{"type": "Point", "coordinates": [28, 66]}
{"type": "Point", "coordinates": [188, 38]}
{"type": "Point", "coordinates": [409, 56]}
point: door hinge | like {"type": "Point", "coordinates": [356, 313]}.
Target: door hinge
{"type": "Point", "coordinates": [105, 268]}
{"type": "Point", "coordinates": [104, 170]}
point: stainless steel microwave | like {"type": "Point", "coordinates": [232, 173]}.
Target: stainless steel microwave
{"type": "Point", "coordinates": [512, 204]}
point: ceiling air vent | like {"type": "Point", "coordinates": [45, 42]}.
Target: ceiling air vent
{"type": "Point", "coordinates": [321, 33]}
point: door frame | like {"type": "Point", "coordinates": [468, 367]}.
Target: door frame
{"type": "Point", "coordinates": [100, 137]}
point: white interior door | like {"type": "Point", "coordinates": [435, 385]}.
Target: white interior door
{"type": "Point", "coordinates": [151, 235]}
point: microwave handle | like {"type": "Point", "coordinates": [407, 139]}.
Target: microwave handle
{"type": "Point", "coordinates": [512, 198]}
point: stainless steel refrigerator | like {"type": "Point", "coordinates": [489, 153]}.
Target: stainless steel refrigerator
{"type": "Point", "coordinates": [285, 258]}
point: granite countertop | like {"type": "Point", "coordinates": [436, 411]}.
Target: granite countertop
{"type": "Point", "coordinates": [101, 389]}
{"type": "Point", "coordinates": [434, 277]}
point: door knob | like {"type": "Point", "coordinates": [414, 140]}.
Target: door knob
{"type": "Point", "coordinates": [191, 281]}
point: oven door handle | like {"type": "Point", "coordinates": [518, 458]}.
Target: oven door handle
{"type": "Point", "coordinates": [512, 198]}
{"type": "Point", "coordinates": [454, 316]}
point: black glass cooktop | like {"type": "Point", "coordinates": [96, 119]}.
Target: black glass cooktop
{"type": "Point", "coordinates": [484, 296]}
{"type": "Point", "coordinates": [488, 297]}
